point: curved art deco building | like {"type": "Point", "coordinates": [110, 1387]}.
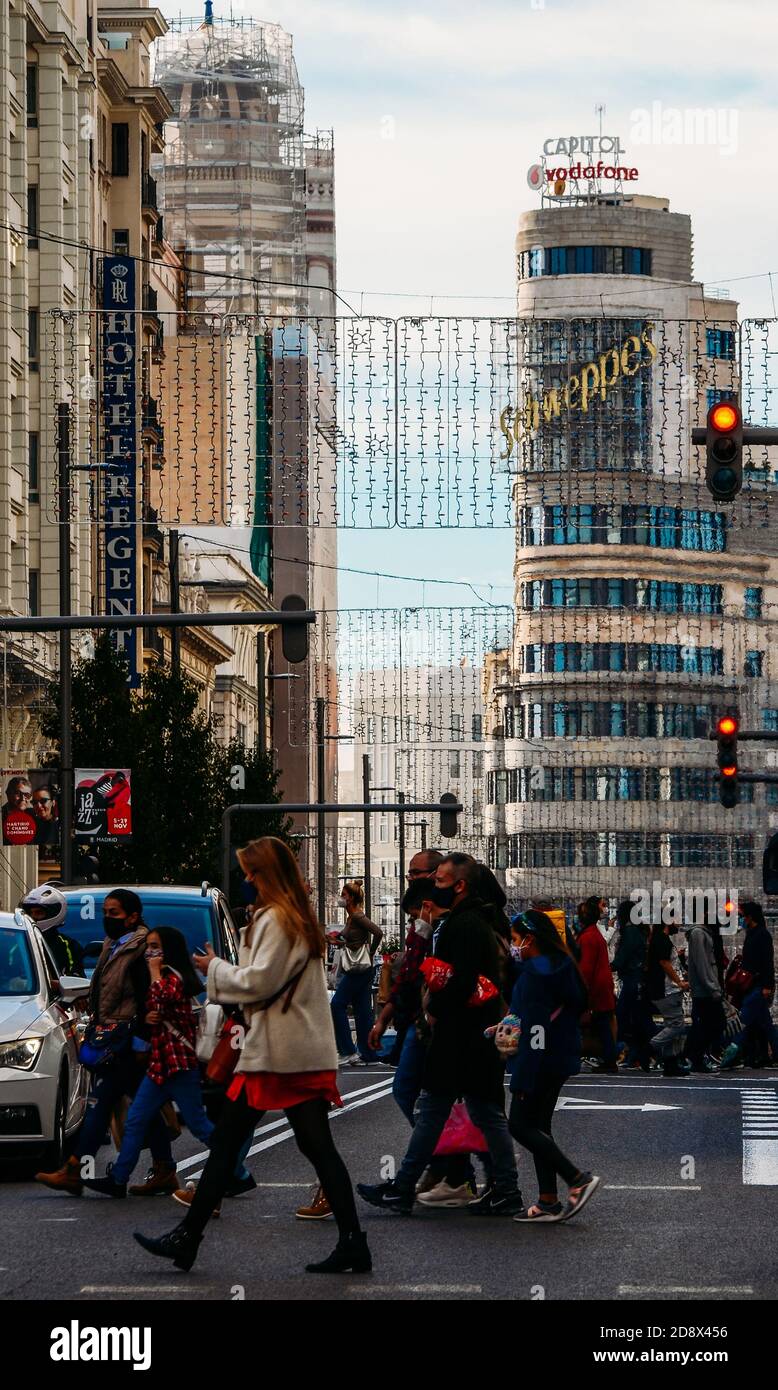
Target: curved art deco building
{"type": "Point", "coordinates": [643, 609]}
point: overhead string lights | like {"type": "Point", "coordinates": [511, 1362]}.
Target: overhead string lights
{"type": "Point", "coordinates": [426, 423]}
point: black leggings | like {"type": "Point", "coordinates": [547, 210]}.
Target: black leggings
{"type": "Point", "coordinates": [311, 1127]}
{"type": "Point", "coordinates": [529, 1122]}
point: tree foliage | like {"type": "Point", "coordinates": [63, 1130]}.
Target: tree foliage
{"type": "Point", "coordinates": [182, 777]}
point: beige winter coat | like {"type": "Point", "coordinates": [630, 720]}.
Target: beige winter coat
{"type": "Point", "coordinates": [302, 1039]}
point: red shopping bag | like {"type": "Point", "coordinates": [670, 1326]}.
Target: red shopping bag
{"type": "Point", "coordinates": [460, 1135]}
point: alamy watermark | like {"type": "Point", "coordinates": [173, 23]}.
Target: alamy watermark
{"type": "Point", "coordinates": [658, 124]}
{"type": "Point", "coordinates": [685, 907]}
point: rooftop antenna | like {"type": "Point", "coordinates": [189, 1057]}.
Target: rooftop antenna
{"type": "Point", "coordinates": [208, 13]}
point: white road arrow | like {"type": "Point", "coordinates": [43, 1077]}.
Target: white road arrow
{"type": "Point", "coordinates": [574, 1103]}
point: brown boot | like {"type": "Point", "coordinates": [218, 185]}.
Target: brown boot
{"type": "Point", "coordinates": [318, 1210]}
{"type": "Point", "coordinates": [185, 1195]}
{"type": "Point", "coordinates": [66, 1179]}
{"type": "Point", "coordinates": [161, 1180]}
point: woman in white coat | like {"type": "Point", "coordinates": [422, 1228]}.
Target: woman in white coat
{"type": "Point", "coordinates": [288, 1060]}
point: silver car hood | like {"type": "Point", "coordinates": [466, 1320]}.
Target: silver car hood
{"type": "Point", "coordinates": [17, 1015]}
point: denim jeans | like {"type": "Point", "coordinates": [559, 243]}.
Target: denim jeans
{"type": "Point", "coordinates": [758, 1027]}
{"type": "Point", "coordinates": [183, 1087]}
{"type": "Point", "coordinates": [354, 988]}
{"type": "Point", "coordinates": [112, 1081]}
{"type": "Point", "coordinates": [406, 1086]}
{"type": "Point", "coordinates": [602, 1028]}
{"type": "Point", "coordinates": [432, 1111]}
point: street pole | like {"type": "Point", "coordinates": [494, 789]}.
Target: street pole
{"type": "Point", "coordinates": [366, 800]}
{"type": "Point", "coordinates": [401, 847]}
{"type": "Point", "coordinates": [320, 797]}
{"type": "Point", "coordinates": [175, 604]}
{"type": "Point", "coordinates": [423, 826]}
{"type": "Point", "coordinates": [261, 695]}
{"type": "Point", "coordinates": [65, 670]}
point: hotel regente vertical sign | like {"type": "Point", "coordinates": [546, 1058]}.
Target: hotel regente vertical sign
{"type": "Point", "coordinates": [119, 451]}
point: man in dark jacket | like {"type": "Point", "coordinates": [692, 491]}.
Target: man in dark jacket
{"type": "Point", "coordinates": [758, 960]}
{"type": "Point", "coordinates": [460, 1060]}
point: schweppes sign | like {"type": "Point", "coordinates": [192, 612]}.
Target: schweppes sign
{"type": "Point", "coordinates": [587, 384]}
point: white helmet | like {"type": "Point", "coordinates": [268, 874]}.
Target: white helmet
{"type": "Point", "coordinates": [51, 900]}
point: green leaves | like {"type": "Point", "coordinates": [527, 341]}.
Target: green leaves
{"type": "Point", "coordinates": [181, 774]}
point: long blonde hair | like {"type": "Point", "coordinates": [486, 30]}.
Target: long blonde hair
{"type": "Point", "coordinates": [281, 887]}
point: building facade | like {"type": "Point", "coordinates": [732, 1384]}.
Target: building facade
{"type": "Point", "coordinates": [643, 609]}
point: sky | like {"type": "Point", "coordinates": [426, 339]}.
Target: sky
{"type": "Point", "coordinates": [438, 110]}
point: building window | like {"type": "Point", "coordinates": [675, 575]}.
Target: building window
{"type": "Point", "coordinates": [770, 721]}
{"type": "Point", "coordinates": [715, 394]}
{"type": "Point", "coordinates": [665, 528]}
{"type": "Point", "coordinates": [120, 149]}
{"type": "Point", "coordinates": [454, 764]}
{"type": "Point", "coordinates": [33, 466]}
{"type": "Point", "coordinates": [121, 242]}
{"type": "Point", "coordinates": [720, 342]}
{"type": "Point", "coordinates": [34, 591]}
{"type": "Point", "coordinates": [478, 766]}
{"type": "Point", "coordinates": [457, 728]}
{"type": "Point", "coordinates": [753, 603]}
{"type": "Point", "coordinates": [584, 260]}
{"type": "Point", "coordinates": [32, 95]}
{"type": "Point", "coordinates": [33, 346]}
{"type": "Point", "coordinates": [32, 216]}
{"type": "Point", "coordinates": [753, 664]}
{"type": "Point", "coordinates": [478, 728]}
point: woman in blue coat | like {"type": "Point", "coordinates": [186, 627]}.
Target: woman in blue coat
{"type": "Point", "coordinates": [548, 999]}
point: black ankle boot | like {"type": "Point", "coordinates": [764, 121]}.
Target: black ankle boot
{"type": "Point", "coordinates": [350, 1255]}
{"type": "Point", "coordinates": [179, 1245]}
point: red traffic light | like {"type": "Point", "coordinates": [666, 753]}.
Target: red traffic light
{"type": "Point", "coordinates": [724, 417]}
{"type": "Point", "coordinates": [729, 772]}
{"type": "Point", "coordinates": [727, 726]}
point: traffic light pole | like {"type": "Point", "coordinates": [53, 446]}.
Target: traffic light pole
{"type": "Point", "coordinates": [65, 651]}
{"type": "Point", "coordinates": [445, 807]}
{"type": "Point", "coordinates": [366, 825]}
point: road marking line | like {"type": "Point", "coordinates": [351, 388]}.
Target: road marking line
{"type": "Point", "coordinates": [684, 1288]}
{"type": "Point", "coordinates": [650, 1187]}
{"type": "Point", "coordinates": [284, 1184]}
{"type": "Point", "coordinates": [58, 1218]}
{"type": "Point", "coordinates": [183, 1288]}
{"type": "Point", "coordinates": [760, 1139]}
{"type": "Point", "coordinates": [414, 1288]}
{"type": "Point", "coordinates": [194, 1159]}
{"type": "Point", "coordinates": [289, 1133]}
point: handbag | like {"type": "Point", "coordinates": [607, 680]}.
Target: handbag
{"type": "Point", "coordinates": [355, 958]}
{"type": "Point", "coordinates": [103, 1043]}
{"type": "Point", "coordinates": [738, 984]}
{"type": "Point", "coordinates": [460, 1135]}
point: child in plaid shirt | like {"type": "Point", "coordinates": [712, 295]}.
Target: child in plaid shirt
{"type": "Point", "coordinates": [173, 1072]}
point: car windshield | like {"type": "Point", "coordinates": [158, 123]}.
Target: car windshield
{"type": "Point", "coordinates": [194, 917]}
{"type": "Point", "coordinates": [18, 974]}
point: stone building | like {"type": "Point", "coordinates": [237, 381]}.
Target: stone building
{"type": "Point", "coordinates": [643, 608]}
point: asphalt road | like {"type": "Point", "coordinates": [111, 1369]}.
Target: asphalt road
{"type": "Point", "coordinates": [689, 1210]}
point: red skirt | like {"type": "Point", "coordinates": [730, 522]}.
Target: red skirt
{"type": "Point", "coordinates": [267, 1090]}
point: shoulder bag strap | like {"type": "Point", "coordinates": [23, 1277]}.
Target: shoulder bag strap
{"type": "Point", "coordinates": [289, 989]}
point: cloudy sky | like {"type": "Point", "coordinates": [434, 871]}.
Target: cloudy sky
{"type": "Point", "coordinates": [439, 108]}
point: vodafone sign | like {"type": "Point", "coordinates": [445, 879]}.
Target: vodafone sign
{"type": "Point", "coordinates": [582, 163]}
{"type": "Point", "coordinates": [536, 176]}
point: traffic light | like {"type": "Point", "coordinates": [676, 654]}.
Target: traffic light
{"type": "Point", "coordinates": [294, 636]}
{"type": "Point", "coordinates": [448, 819]}
{"type": "Point", "coordinates": [724, 445]}
{"type": "Point", "coordinates": [726, 733]}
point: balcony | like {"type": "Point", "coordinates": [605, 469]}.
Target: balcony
{"type": "Point", "coordinates": [153, 643]}
{"type": "Point", "coordinates": [158, 238]}
{"type": "Point", "coordinates": [152, 425]}
{"type": "Point", "coordinates": [148, 196]}
{"type": "Point", "coordinates": [152, 323]}
{"type": "Point", "coordinates": [151, 528]}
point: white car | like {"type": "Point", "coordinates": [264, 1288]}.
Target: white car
{"type": "Point", "coordinates": [43, 1087]}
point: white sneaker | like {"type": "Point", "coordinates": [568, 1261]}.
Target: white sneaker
{"type": "Point", "coordinates": [445, 1196]}
{"type": "Point", "coordinates": [353, 1061]}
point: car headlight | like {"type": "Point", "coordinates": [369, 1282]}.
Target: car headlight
{"type": "Point", "coordinates": [22, 1054]}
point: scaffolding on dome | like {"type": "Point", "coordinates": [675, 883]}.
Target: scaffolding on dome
{"type": "Point", "coordinates": [233, 170]}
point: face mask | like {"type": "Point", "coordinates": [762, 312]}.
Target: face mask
{"type": "Point", "coordinates": [115, 927]}
{"type": "Point", "coordinates": [342, 902]}
{"type": "Point", "coordinates": [442, 897]}
{"type": "Point", "coordinates": [154, 953]}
